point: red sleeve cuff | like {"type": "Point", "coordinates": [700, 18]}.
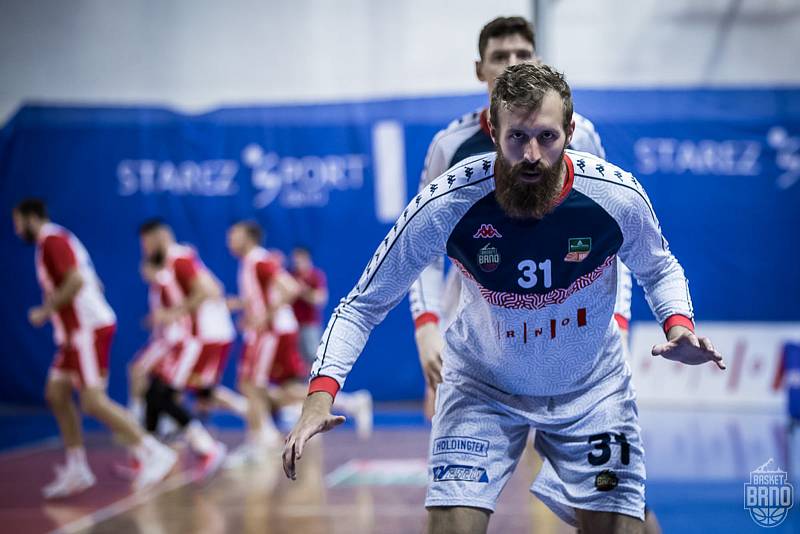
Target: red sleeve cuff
{"type": "Point", "coordinates": [324, 383]}
{"type": "Point", "coordinates": [425, 318]}
{"type": "Point", "coordinates": [622, 322]}
{"type": "Point", "coordinates": [678, 320]}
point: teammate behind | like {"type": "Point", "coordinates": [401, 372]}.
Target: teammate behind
{"type": "Point", "coordinates": [83, 327]}
{"type": "Point", "coordinates": [193, 297]}
{"type": "Point", "coordinates": [434, 298]}
{"type": "Point", "coordinates": [271, 371]}
{"type": "Point", "coordinates": [533, 344]}
{"type": "Point", "coordinates": [309, 303]}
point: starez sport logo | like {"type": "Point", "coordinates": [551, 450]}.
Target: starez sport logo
{"type": "Point", "coordinates": [768, 496]}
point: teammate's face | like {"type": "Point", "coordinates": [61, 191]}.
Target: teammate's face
{"type": "Point", "coordinates": [301, 260]}
{"type": "Point", "coordinates": [530, 151]}
{"type": "Point", "coordinates": [23, 227]}
{"type": "Point", "coordinates": [502, 52]}
{"type": "Point", "coordinates": [237, 240]}
{"type": "Point", "coordinates": [154, 246]}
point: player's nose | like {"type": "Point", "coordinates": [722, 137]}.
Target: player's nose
{"type": "Point", "coordinates": [532, 151]}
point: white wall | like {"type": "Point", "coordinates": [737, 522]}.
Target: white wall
{"type": "Point", "coordinates": [606, 43]}
{"type": "Point", "coordinates": [196, 54]}
{"type": "Point", "coordinates": [202, 53]}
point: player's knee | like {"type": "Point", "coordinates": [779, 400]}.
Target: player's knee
{"type": "Point", "coordinates": [55, 395]}
{"type": "Point", "coordinates": [91, 401]}
{"type": "Point", "coordinates": [457, 520]}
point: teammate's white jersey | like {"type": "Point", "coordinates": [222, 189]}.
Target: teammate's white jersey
{"type": "Point", "coordinates": [58, 251]}
{"type": "Point", "coordinates": [212, 322]}
{"type": "Point", "coordinates": [463, 138]}
{"type": "Point", "coordinates": [536, 307]}
{"type": "Point", "coordinates": [256, 270]}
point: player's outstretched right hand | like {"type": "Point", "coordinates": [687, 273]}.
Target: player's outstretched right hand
{"type": "Point", "coordinates": [316, 418]}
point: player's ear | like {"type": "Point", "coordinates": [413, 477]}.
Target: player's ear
{"type": "Point", "coordinates": [492, 132]}
{"type": "Point", "coordinates": [570, 132]}
{"type": "Point", "coordinates": [479, 71]}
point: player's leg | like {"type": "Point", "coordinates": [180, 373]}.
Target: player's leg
{"type": "Point", "coordinates": [310, 334]}
{"type": "Point", "coordinates": [58, 394]}
{"type": "Point", "coordinates": [591, 522]}
{"type": "Point", "coordinates": [476, 443]}
{"type": "Point", "coordinates": [593, 470]}
{"type": "Point", "coordinates": [457, 520]}
{"type": "Point", "coordinates": [93, 349]}
{"type": "Point", "coordinates": [139, 375]}
{"type": "Point", "coordinates": [75, 475]}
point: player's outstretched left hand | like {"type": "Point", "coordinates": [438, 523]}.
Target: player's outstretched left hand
{"type": "Point", "coordinates": [685, 347]}
{"type": "Point", "coordinates": [316, 418]}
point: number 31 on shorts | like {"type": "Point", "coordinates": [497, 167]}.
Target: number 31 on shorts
{"type": "Point", "coordinates": [602, 452]}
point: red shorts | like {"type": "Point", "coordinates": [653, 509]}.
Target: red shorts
{"type": "Point", "coordinates": [84, 359]}
{"type": "Point", "coordinates": [272, 358]}
{"type": "Point", "coordinates": [194, 365]}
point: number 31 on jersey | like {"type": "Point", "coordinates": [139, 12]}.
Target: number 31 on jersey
{"type": "Point", "coordinates": [529, 278]}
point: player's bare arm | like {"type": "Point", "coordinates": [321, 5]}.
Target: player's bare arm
{"type": "Point", "coordinates": [684, 346]}
{"type": "Point", "coordinates": [63, 295]}
{"type": "Point", "coordinates": [203, 287]}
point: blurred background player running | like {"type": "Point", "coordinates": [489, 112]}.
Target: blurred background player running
{"type": "Point", "coordinates": [83, 326]}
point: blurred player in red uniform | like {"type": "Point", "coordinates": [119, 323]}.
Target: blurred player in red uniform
{"type": "Point", "coordinates": [192, 297]}
{"type": "Point", "coordinates": [270, 352]}
{"type": "Point", "coordinates": [162, 341]}
{"type": "Point", "coordinates": [83, 325]}
{"type": "Point", "coordinates": [309, 303]}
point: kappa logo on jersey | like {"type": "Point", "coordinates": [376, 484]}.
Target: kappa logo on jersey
{"type": "Point", "coordinates": [487, 231]}
{"type": "Point", "coordinates": [488, 258]}
{"type": "Point", "coordinates": [578, 249]}
{"type": "Point", "coordinates": [466, 445]}
{"type": "Point", "coordinates": [466, 473]}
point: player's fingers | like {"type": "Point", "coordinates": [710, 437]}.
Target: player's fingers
{"type": "Point", "coordinates": [706, 344]}
{"type": "Point", "coordinates": [299, 445]}
{"type": "Point", "coordinates": [692, 339]}
{"type": "Point", "coordinates": [335, 421]}
{"type": "Point", "coordinates": [658, 350]}
{"type": "Point", "coordinates": [288, 458]}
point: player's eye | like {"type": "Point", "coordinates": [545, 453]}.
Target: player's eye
{"type": "Point", "coordinates": [547, 137]}
{"type": "Point", "coordinates": [518, 136]}
{"type": "Point", "coordinates": [524, 55]}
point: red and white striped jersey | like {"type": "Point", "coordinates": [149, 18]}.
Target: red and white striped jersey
{"type": "Point", "coordinates": [212, 322]}
{"type": "Point", "coordinates": [58, 251]}
{"type": "Point", "coordinates": [163, 293]}
{"type": "Point", "coordinates": [256, 273]}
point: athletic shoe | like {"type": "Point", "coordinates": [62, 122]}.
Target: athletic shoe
{"type": "Point", "coordinates": [211, 462]}
{"type": "Point", "coordinates": [69, 481]}
{"type": "Point", "coordinates": [156, 466]}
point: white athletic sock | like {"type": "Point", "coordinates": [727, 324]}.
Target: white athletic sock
{"type": "Point", "coordinates": [76, 458]}
{"type": "Point", "coordinates": [199, 439]}
{"type": "Point", "coordinates": [136, 407]}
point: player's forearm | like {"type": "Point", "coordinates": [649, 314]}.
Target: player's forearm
{"type": "Point", "coordinates": [65, 293]}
